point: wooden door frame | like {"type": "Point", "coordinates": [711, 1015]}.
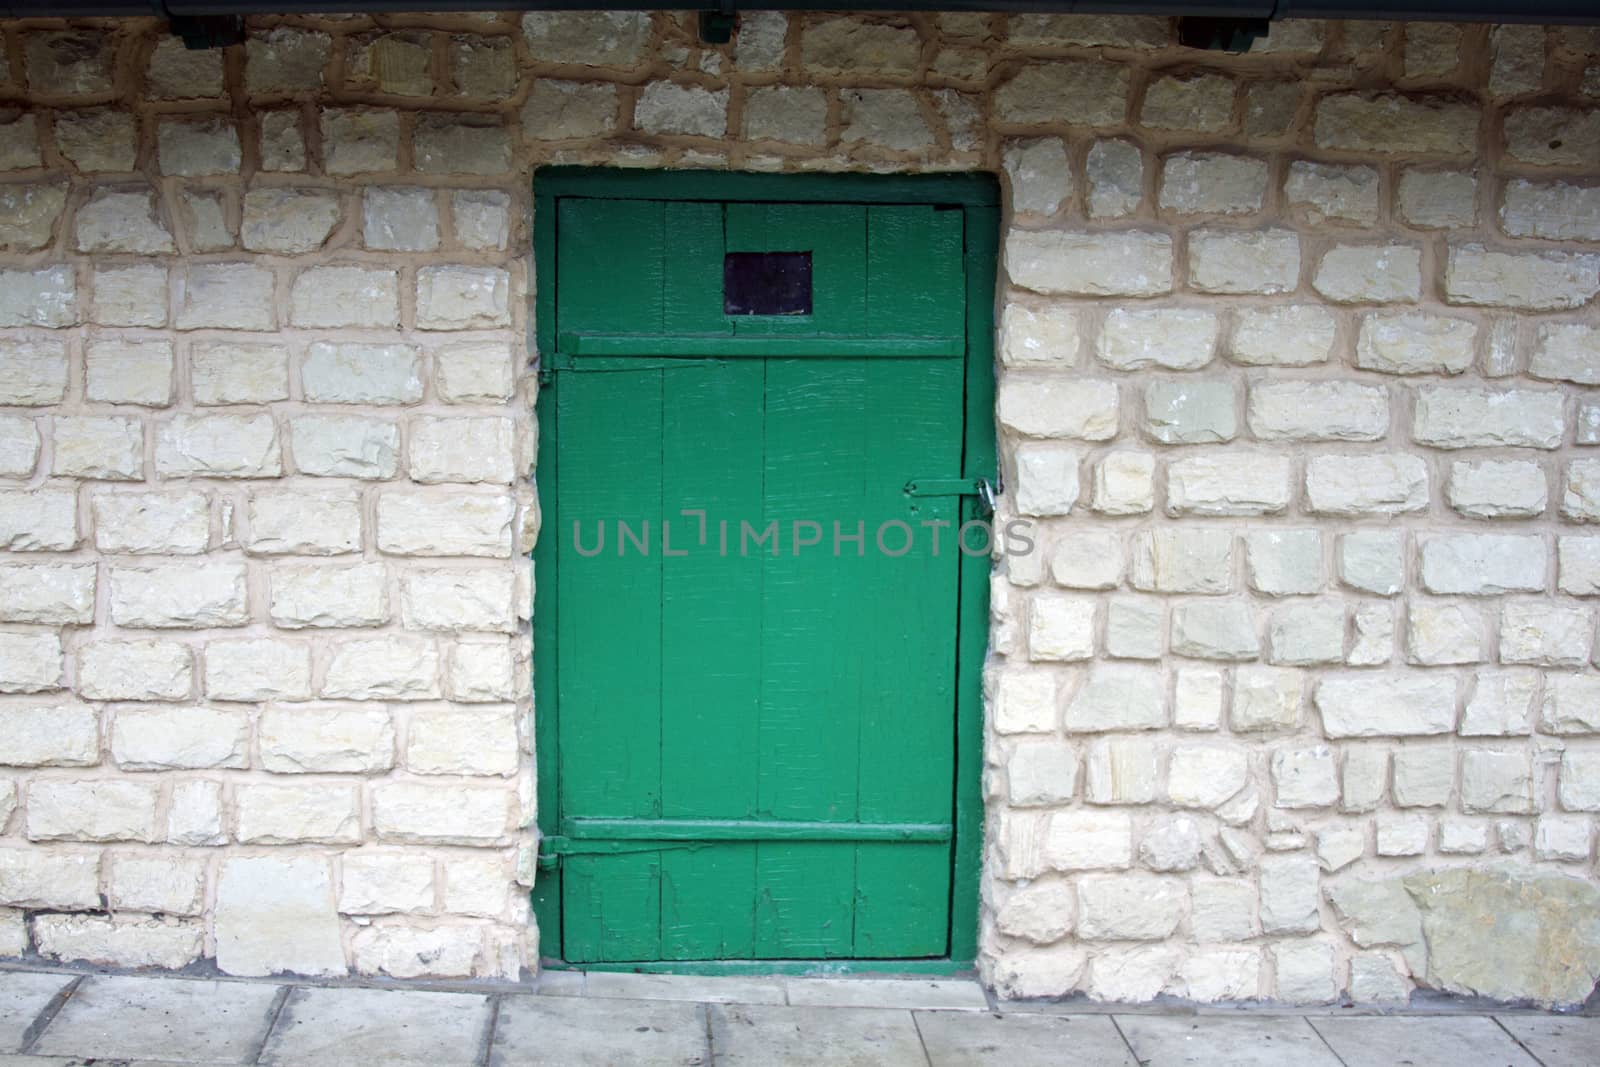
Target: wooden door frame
{"type": "Point", "coordinates": [977, 195]}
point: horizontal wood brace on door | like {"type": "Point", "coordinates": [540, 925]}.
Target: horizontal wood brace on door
{"type": "Point", "coordinates": [577, 830]}
{"type": "Point", "coordinates": [758, 346]}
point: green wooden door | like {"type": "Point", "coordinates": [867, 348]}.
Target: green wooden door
{"type": "Point", "coordinates": [755, 621]}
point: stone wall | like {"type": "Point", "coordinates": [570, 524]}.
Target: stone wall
{"type": "Point", "coordinates": [1294, 701]}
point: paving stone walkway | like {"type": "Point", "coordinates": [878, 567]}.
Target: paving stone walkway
{"type": "Point", "coordinates": [65, 1018]}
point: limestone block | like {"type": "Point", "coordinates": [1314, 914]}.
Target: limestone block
{"type": "Point", "coordinates": [359, 140]}
{"type": "Point", "coordinates": [1229, 484]}
{"type": "Point", "coordinates": [32, 373]}
{"type": "Point", "coordinates": [258, 669]}
{"type": "Point", "coordinates": [129, 296]}
{"type": "Point", "coordinates": [1306, 632]}
{"type": "Point", "coordinates": [362, 374]}
{"type": "Point", "coordinates": [166, 882]}
{"type": "Point", "coordinates": [1041, 773]}
{"type": "Point", "coordinates": [1432, 49]}
{"type": "Point", "coordinates": [219, 446]}
{"type": "Point", "coordinates": [1578, 565]}
{"type": "Point", "coordinates": [1200, 102]}
{"type": "Point", "coordinates": [1545, 635]}
{"type": "Point", "coordinates": [45, 297]}
{"type": "Point", "coordinates": [129, 372]}
{"type": "Point", "coordinates": [38, 520]}
{"type": "Point", "coordinates": [287, 220]}
{"type": "Point", "coordinates": [1123, 263]}
{"type": "Point", "coordinates": [1215, 629]}
{"type": "Point", "coordinates": [1122, 770]}
{"type": "Point", "coordinates": [1534, 281]}
{"type": "Point", "coordinates": [1074, 92]}
{"type": "Point", "coordinates": [328, 596]}
{"type": "Point", "coordinates": [1391, 123]}
{"type": "Point", "coordinates": [203, 215]}
{"type": "Point", "coordinates": [1088, 840]}
{"type": "Point", "coordinates": [30, 662]}
{"type": "Point", "coordinates": [1025, 701]}
{"type": "Point", "coordinates": [1438, 199]}
{"type": "Point", "coordinates": [1058, 407]}
{"type": "Point", "coordinates": [1567, 351]}
{"type": "Point", "coordinates": [1289, 895]}
{"type": "Point", "coordinates": [1439, 634]}
{"type": "Point", "coordinates": [1365, 778]}
{"type": "Point", "coordinates": [561, 110]}
{"type": "Point", "coordinates": [1265, 698]}
{"type": "Point", "coordinates": [134, 670]}
{"type": "Point", "coordinates": [187, 738]}
{"type": "Point", "coordinates": [1318, 411]}
{"type": "Point", "coordinates": [456, 298]}
{"type": "Point", "coordinates": [31, 877]}
{"type": "Point", "coordinates": [298, 522]}
{"type": "Point", "coordinates": [480, 672]}
{"type": "Point", "coordinates": [230, 373]}
{"type": "Point", "coordinates": [197, 147]}
{"type": "Point", "coordinates": [44, 735]}
{"type": "Point", "coordinates": [1553, 136]}
{"type": "Point", "coordinates": [400, 219]}
{"type": "Point", "coordinates": [119, 941]}
{"type": "Point", "coordinates": [287, 814]}
{"type": "Point", "coordinates": [1517, 59]}
{"type": "Point", "coordinates": [1366, 484]}
{"type": "Point", "coordinates": [70, 62]}
{"type": "Point", "coordinates": [227, 296]}
{"type": "Point", "coordinates": [413, 952]}
{"type": "Point", "coordinates": [1384, 274]}
{"type": "Point", "coordinates": [1197, 698]}
{"type": "Point", "coordinates": [1181, 412]}
{"type": "Point", "coordinates": [1580, 491]}
{"type": "Point", "coordinates": [1115, 170]}
{"type": "Point", "coordinates": [484, 66]}
{"type": "Point", "coordinates": [1117, 696]}
{"type": "Point", "coordinates": [1359, 704]}
{"type": "Point", "coordinates": [195, 815]}
{"type": "Point", "coordinates": [1132, 974]}
{"type": "Point", "coordinates": [179, 595]}
{"type": "Point", "coordinates": [1124, 483]}
{"type": "Point", "coordinates": [482, 219]}
{"type": "Point", "coordinates": [1555, 210]}
{"type": "Point", "coordinates": [345, 296]}
{"type": "Point", "coordinates": [1341, 192]}
{"type": "Point", "coordinates": [318, 739]}
{"type": "Point", "coordinates": [590, 38]}
{"type": "Point", "coordinates": [693, 111]}
{"type": "Point", "coordinates": [1134, 628]}
{"type": "Point", "coordinates": [1212, 183]}
{"type": "Point", "coordinates": [286, 60]}
{"type": "Point", "coordinates": [1222, 910]}
{"type": "Point", "coordinates": [1131, 907]}
{"type": "Point", "coordinates": [19, 450]}
{"type": "Point", "coordinates": [1041, 180]}
{"type": "Point", "coordinates": [475, 449]}
{"type": "Point", "coordinates": [346, 446]}
{"type": "Point", "coordinates": [1565, 838]}
{"type": "Point", "coordinates": [52, 594]}
{"type": "Point", "coordinates": [1182, 560]}
{"type": "Point", "coordinates": [442, 814]}
{"type": "Point", "coordinates": [385, 882]}
{"type": "Point", "coordinates": [1061, 628]}
{"type": "Point", "coordinates": [145, 523]}
{"type": "Point", "coordinates": [28, 215]}
{"type": "Point", "coordinates": [1492, 489]}
{"type": "Point", "coordinates": [461, 143]}
{"type": "Point", "coordinates": [1088, 560]}
{"type": "Point", "coordinates": [383, 668]}
{"type": "Point", "coordinates": [1570, 704]}
{"type": "Point", "coordinates": [468, 741]}
{"type": "Point", "coordinates": [1270, 108]}
{"type": "Point", "coordinates": [1579, 788]}
{"type": "Point", "coordinates": [89, 809]}
{"type": "Point", "coordinates": [398, 63]}
{"type": "Point", "coordinates": [1040, 912]}
{"type": "Point", "coordinates": [1205, 776]}
{"type": "Point", "coordinates": [1049, 31]}
{"type": "Point", "coordinates": [1483, 564]}
{"type": "Point", "coordinates": [1424, 777]}
{"type": "Point", "coordinates": [1176, 338]}
{"type": "Point", "coordinates": [759, 40]}
{"type": "Point", "coordinates": [474, 372]}
{"type": "Point", "coordinates": [1244, 261]}
{"type": "Point", "coordinates": [435, 524]}
{"type": "Point", "coordinates": [177, 72]}
{"type": "Point", "coordinates": [1468, 417]}
{"type": "Point", "coordinates": [1171, 844]}
{"type": "Point", "coordinates": [1496, 780]}
{"type": "Point", "coordinates": [275, 914]}
{"type": "Point", "coordinates": [1501, 704]}
{"type": "Point", "coordinates": [19, 141]}
{"type": "Point", "coordinates": [1338, 847]}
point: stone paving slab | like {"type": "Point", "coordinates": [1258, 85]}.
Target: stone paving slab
{"type": "Point", "coordinates": [887, 993]}
{"type": "Point", "coordinates": [22, 997]}
{"type": "Point", "coordinates": [582, 1032]}
{"type": "Point", "coordinates": [398, 1027]}
{"type": "Point", "coordinates": [1557, 1041]}
{"type": "Point", "coordinates": [1174, 1040]}
{"type": "Point", "coordinates": [974, 1039]}
{"type": "Point", "coordinates": [176, 1019]}
{"type": "Point", "coordinates": [1377, 1041]}
{"type": "Point", "coordinates": [767, 1036]}
{"type": "Point", "coordinates": [705, 990]}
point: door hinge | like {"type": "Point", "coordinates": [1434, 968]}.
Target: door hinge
{"type": "Point", "coordinates": [982, 488]}
{"type": "Point", "coordinates": [551, 849]}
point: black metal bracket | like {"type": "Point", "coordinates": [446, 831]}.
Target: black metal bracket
{"type": "Point", "coordinates": [200, 32]}
{"type": "Point", "coordinates": [1220, 35]}
{"type": "Point", "coordinates": [716, 27]}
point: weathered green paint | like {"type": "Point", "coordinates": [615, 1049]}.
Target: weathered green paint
{"type": "Point", "coordinates": [683, 703]}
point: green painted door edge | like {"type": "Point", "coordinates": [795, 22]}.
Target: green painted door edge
{"type": "Point", "coordinates": [978, 196]}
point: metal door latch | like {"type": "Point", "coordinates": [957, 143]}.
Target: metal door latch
{"type": "Point", "coordinates": [985, 490]}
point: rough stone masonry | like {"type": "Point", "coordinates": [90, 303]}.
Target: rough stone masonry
{"type": "Point", "coordinates": [1298, 352]}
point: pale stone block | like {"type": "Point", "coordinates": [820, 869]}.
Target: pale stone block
{"type": "Point", "coordinates": [230, 373]}
{"type": "Point", "coordinates": [1468, 417]}
{"type": "Point", "coordinates": [1171, 844]}
{"type": "Point", "coordinates": [396, 63]}
{"type": "Point", "coordinates": [1182, 560]}
{"type": "Point", "coordinates": [289, 221]}
{"type": "Point", "coordinates": [275, 914]}
{"type": "Point", "coordinates": [436, 524]}
{"type": "Point", "coordinates": [32, 877]}
{"type": "Point", "coordinates": [179, 595]}
{"type": "Point", "coordinates": [760, 43]}
{"type": "Point", "coordinates": [1040, 912]}
{"type": "Point", "coordinates": [1124, 263]}
{"type": "Point", "coordinates": [558, 110]}
{"type": "Point", "coordinates": [1122, 771]}
{"type": "Point", "coordinates": [345, 296]}
{"type": "Point", "coordinates": [1390, 123]}
{"type": "Point", "coordinates": [1483, 564]}
{"type": "Point", "coordinates": [1222, 910]}
{"type": "Point", "coordinates": [1129, 907]}
{"type": "Point", "coordinates": [319, 739]}
{"type": "Point", "coordinates": [97, 139]}
{"type": "Point", "coordinates": [1579, 788]}
{"type": "Point", "coordinates": [38, 520]}
{"type": "Point", "coordinates": [1516, 59]}
{"type": "Point", "coordinates": [1339, 846]}
{"type": "Point", "coordinates": [47, 297]}
{"type": "Point", "coordinates": [1293, 336]}
{"type": "Point", "coordinates": [474, 372]}
{"type": "Point", "coordinates": [195, 815]}
{"type": "Point", "coordinates": [1270, 108]}
{"type": "Point", "coordinates": [110, 448]}
{"type": "Point", "coordinates": [1175, 338]}
{"type": "Point", "coordinates": [1409, 343]}
{"type": "Point", "coordinates": [1567, 351]}
{"type": "Point", "coordinates": [52, 594]}
{"type": "Point", "coordinates": [19, 446]}
{"type": "Point", "coordinates": [218, 446]}
{"type": "Point", "coordinates": [1442, 634]}
{"type": "Point", "coordinates": [482, 219]}
{"type": "Point", "coordinates": [297, 522]}
{"type": "Point", "coordinates": [1133, 974]}
{"type": "Point", "coordinates": [359, 140]}
{"type": "Point", "coordinates": [1365, 778]}
{"type": "Point", "coordinates": [204, 217]}
{"type": "Point", "coordinates": [1553, 210]}
{"type": "Point", "coordinates": [177, 523]}
{"type": "Point", "coordinates": [19, 147]}
{"type": "Point", "coordinates": [1571, 704]}
{"type": "Point", "coordinates": [1290, 895]}
{"type": "Point", "coordinates": [28, 215]}
{"type": "Point", "coordinates": [1077, 92]}
{"type": "Point", "coordinates": [283, 144]}
{"type": "Point", "coordinates": [1534, 281]}
{"type": "Point", "coordinates": [1304, 971]}
{"type": "Point", "coordinates": [1025, 702]}
{"type": "Point", "coordinates": [258, 669]}
{"type": "Point", "coordinates": [1041, 773]}
{"type": "Point", "coordinates": [481, 672]}
{"type": "Point", "coordinates": [129, 296]}
{"type": "Point", "coordinates": [1117, 696]}
{"type": "Point", "coordinates": [1265, 698]}
{"type": "Point", "coordinates": [1087, 560]}
{"type": "Point", "coordinates": [1344, 193]}
{"type": "Point", "coordinates": [1201, 102]}
{"type": "Point", "coordinates": [1185, 412]}
{"type": "Point", "coordinates": [1497, 489]}
{"type": "Point", "coordinates": [1195, 183]}
{"type": "Point", "coordinates": [400, 219]}
{"type": "Point", "coordinates": [1578, 564]}
{"type": "Point", "coordinates": [1041, 180]}
{"type": "Point", "coordinates": [197, 147]}
{"type": "Point", "coordinates": [458, 298]}
{"type": "Point", "coordinates": [386, 882]}
{"type": "Point", "coordinates": [118, 219]}
{"type": "Point", "coordinates": [411, 952]}
{"type": "Point", "coordinates": [30, 662]}
{"type": "Point", "coordinates": [1215, 629]}
{"type": "Point", "coordinates": [469, 741]}
{"type": "Point", "coordinates": [1115, 170]}
{"type": "Point", "coordinates": [1318, 411]}
{"type": "Point", "coordinates": [1238, 261]}
{"type": "Point", "coordinates": [59, 735]}
{"type": "Point", "coordinates": [1229, 484]}
{"type": "Point", "coordinates": [1354, 274]}
{"type": "Point", "coordinates": [1088, 840]}
{"type": "Point", "coordinates": [1564, 838]}
{"type": "Point", "coordinates": [1553, 136]}
{"type": "Point", "coordinates": [442, 814]}
{"type": "Point", "coordinates": [1124, 483]}
{"type": "Point", "coordinates": [329, 596]}
{"type": "Point", "coordinates": [345, 446]}
{"type": "Point", "coordinates": [225, 296]}
{"type": "Point", "coordinates": [119, 941]}
{"type": "Point", "coordinates": [89, 809]}
{"type": "Point", "coordinates": [1366, 484]}
{"type": "Point", "coordinates": [459, 600]}
{"type": "Point", "coordinates": [1386, 704]}
{"type": "Point", "coordinates": [1501, 704]}
{"type": "Point", "coordinates": [1424, 777]}
{"type": "Point", "coordinates": [32, 373]}
{"type": "Point", "coordinates": [1205, 776]}
{"type": "Point", "coordinates": [1197, 695]}
{"type": "Point", "coordinates": [1545, 635]}
{"type": "Point", "coordinates": [134, 670]}
{"type": "Point", "coordinates": [1061, 628]}
{"type": "Point", "coordinates": [383, 668]}
{"type": "Point", "coordinates": [187, 738]}
{"type": "Point", "coordinates": [170, 883]}
{"type": "Point", "coordinates": [1306, 632]}
{"type": "Point", "coordinates": [1496, 781]}
{"type": "Point", "coordinates": [1438, 200]}
{"type": "Point", "coordinates": [286, 60]}
{"type": "Point", "coordinates": [1580, 495]}
{"type": "Point", "coordinates": [288, 814]}
{"type": "Point", "coordinates": [1463, 836]}
{"type": "Point", "coordinates": [478, 449]}
{"type": "Point", "coordinates": [1134, 628]}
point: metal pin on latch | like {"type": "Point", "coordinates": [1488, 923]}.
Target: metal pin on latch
{"type": "Point", "coordinates": [986, 495]}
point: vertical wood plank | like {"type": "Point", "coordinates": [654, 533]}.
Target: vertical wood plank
{"type": "Point", "coordinates": [591, 235]}
{"type": "Point", "coordinates": [612, 910]}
